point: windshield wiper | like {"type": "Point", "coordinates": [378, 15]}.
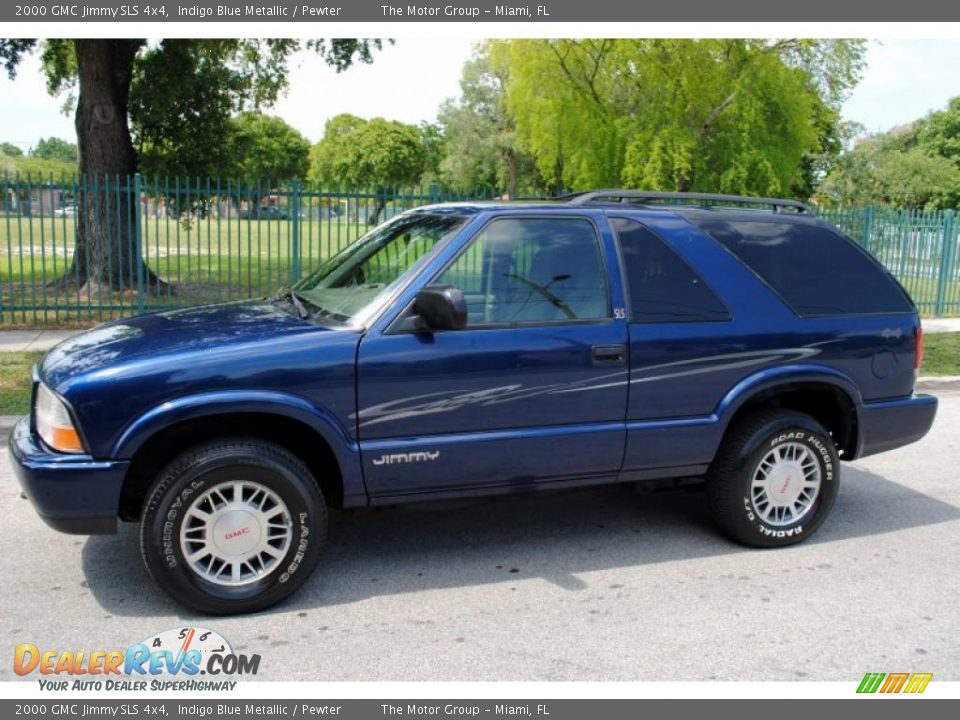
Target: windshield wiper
{"type": "Point", "coordinates": [298, 304]}
{"type": "Point", "coordinates": [297, 300]}
{"type": "Point", "coordinates": [544, 290]}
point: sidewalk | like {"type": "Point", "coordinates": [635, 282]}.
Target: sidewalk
{"type": "Point", "coordinates": [33, 340]}
{"type": "Point", "coordinates": [939, 325]}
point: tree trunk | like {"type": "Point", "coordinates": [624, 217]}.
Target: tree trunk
{"type": "Point", "coordinates": [379, 205]}
{"type": "Point", "coordinates": [105, 253]}
{"type": "Point", "coordinates": [510, 157]}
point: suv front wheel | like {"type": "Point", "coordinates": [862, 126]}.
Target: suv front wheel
{"type": "Point", "coordinates": [774, 480]}
{"type": "Point", "coordinates": [233, 526]}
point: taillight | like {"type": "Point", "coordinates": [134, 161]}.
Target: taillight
{"type": "Point", "coordinates": [917, 348]}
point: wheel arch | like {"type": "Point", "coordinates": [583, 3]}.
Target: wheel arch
{"type": "Point", "coordinates": [824, 393]}
{"type": "Point", "coordinates": [309, 432]}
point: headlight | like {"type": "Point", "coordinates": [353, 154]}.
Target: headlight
{"type": "Point", "coordinates": [54, 423]}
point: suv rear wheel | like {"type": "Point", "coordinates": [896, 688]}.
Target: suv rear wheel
{"type": "Point", "coordinates": [233, 526]}
{"type": "Point", "coordinates": [774, 480]}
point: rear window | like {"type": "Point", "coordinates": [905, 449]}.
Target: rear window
{"type": "Point", "coordinates": [816, 270]}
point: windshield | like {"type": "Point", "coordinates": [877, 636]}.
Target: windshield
{"type": "Point", "coordinates": [350, 286]}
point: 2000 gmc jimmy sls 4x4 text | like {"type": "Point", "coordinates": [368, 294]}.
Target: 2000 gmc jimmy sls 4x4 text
{"type": "Point", "coordinates": [467, 349]}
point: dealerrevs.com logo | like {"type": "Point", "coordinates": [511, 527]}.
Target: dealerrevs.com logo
{"type": "Point", "coordinates": [891, 683]}
{"type": "Point", "coordinates": [155, 664]}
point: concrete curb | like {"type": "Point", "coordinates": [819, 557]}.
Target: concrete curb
{"type": "Point", "coordinates": [6, 425]}
{"type": "Point", "coordinates": [934, 383]}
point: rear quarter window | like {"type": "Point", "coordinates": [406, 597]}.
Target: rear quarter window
{"type": "Point", "coordinates": [663, 288]}
{"type": "Point", "coordinates": [813, 268]}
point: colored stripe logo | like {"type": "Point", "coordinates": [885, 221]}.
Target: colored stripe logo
{"type": "Point", "coordinates": [894, 683]}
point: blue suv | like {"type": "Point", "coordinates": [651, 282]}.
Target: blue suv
{"type": "Point", "coordinates": [467, 349]}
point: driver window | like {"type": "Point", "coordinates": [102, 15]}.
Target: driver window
{"type": "Point", "coordinates": [530, 270]}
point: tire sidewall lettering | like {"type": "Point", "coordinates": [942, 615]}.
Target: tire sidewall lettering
{"type": "Point", "coordinates": [301, 550]}
{"type": "Point", "coordinates": [823, 453]}
{"type": "Point", "coordinates": [170, 529]}
{"type": "Point", "coordinates": [171, 515]}
{"type": "Point", "coordinates": [828, 470]}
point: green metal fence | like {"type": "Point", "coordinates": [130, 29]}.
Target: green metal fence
{"type": "Point", "coordinates": [78, 252]}
{"type": "Point", "coordinates": [918, 247]}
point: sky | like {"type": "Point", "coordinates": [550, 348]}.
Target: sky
{"type": "Point", "coordinates": [408, 81]}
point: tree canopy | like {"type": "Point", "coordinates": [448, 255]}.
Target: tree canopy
{"type": "Point", "coordinates": [37, 168]}
{"type": "Point", "coordinates": [368, 153]}
{"type": "Point", "coordinates": [264, 146]}
{"type": "Point", "coordinates": [481, 146]}
{"type": "Point", "coordinates": [10, 150]}
{"type": "Point", "coordinates": [54, 148]}
{"type": "Point", "coordinates": [52, 156]}
{"type": "Point", "coordinates": [913, 166]}
{"type": "Point", "coordinates": [727, 115]}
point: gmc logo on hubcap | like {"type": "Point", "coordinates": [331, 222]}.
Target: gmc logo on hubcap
{"type": "Point", "coordinates": [236, 533]}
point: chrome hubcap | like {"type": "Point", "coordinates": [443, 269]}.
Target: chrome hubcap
{"type": "Point", "coordinates": [235, 533]}
{"type": "Point", "coordinates": [785, 484]}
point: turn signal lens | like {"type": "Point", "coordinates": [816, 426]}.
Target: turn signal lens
{"type": "Point", "coordinates": [54, 424]}
{"type": "Point", "coordinates": [918, 348]}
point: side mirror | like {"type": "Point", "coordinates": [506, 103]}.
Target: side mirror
{"type": "Point", "coordinates": [441, 307]}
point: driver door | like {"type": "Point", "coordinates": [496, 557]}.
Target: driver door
{"type": "Point", "coordinates": [532, 391]}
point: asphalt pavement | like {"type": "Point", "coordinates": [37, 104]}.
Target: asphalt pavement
{"type": "Point", "coordinates": [602, 584]}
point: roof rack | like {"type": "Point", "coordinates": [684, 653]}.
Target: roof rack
{"type": "Point", "coordinates": [641, 196]}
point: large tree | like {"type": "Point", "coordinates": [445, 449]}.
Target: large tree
{"type": "Point", "coordinates": [265, 146]}
{"type": "Point", "coordinates": [368, 153]}
{"type": "Point", "coordinates": [434, 144]}
{"type": "Point", "coordinates": [378, 154]}
{"type": "Point", "coordinates": [10, 150]}
{"type": "Point", "coordinates": [481, 137]}
{"type": "Point", "coordinates": [939, 132]}
{"type": "Point", "coordinates": [915, 166]}
{"type": "Point", "coordinates": [54, 148]}
{"type": "Point", "coordinates": [728, 115]}
{"type": "Point", "coordinates": [877, 171]}
{"type": "Point", "coordinates": [178, 95]}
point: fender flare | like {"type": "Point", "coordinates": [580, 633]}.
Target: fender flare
{"type": "Point", "coordinates": [200, 405]}
{"type": "Point", "coordinates": [771, 378]}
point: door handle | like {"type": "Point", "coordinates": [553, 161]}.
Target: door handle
{"type": "Point", "coordinates": [609, 354]}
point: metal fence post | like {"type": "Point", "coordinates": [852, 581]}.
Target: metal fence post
{"type": "Point", "coordinates": [868, 228]}
{"type": "Point", "coordinates": [947, 259]}
{"type": "Point", "coordinates": [295, 232]}
{"type": "Point", "coordinates": [138, 230]}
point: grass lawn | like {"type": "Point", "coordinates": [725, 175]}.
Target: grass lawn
{"type": "Point", "coordinates": [209, 260]}
{"type": "Point", "coordinates": [41, 248]}
{"type": "Point", "coordinates": [15, 381]}
{"type": "Point", "coordinates": [941, 354]}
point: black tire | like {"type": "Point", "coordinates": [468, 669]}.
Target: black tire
{"type": "Point", "coordinates": [196, 471]}
{"type": "Point", "coordinates": [730, 477]}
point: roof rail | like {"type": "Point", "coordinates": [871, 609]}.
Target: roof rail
{"type": "Point", "coordinates": [641, 196]}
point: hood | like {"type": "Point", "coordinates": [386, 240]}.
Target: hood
{"type": "Point", "coordinates": [182, 332]}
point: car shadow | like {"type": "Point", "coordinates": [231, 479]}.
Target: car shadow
{"type": "Point", "coordinates": [553, 536]}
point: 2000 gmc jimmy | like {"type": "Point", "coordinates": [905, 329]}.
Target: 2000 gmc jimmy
{"type": "Point", "coordinates": [468, 349]}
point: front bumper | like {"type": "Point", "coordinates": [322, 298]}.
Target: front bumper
{"type": "Point", "coordinates": [71, 493]}
{"type": "Point", "coordinates": [890, 424]}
